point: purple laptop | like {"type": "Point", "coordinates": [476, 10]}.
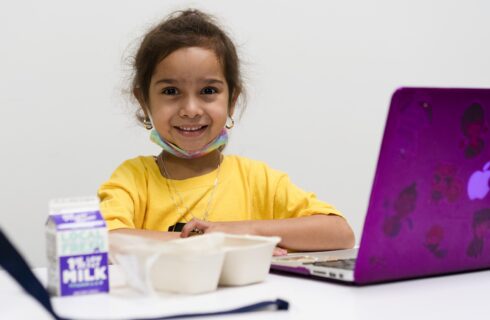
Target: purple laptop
{"type": "Point", "coordinates": [429, 210]}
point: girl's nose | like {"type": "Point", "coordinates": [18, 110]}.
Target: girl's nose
{"type": "Point", "coordinates": [190, 108]}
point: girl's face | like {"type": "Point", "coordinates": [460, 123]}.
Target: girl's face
{"type": "Point", "coordinates": [188, 98]}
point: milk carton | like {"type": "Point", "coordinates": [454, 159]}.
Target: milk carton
{"type": "Point", "coordinates": [76, 242]}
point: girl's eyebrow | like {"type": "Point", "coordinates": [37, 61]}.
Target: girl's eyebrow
{"type": "Point", "coordinates": [212, 80]}
{"type": "Point", "coordinates": [168, 81]}
{"type": "Point", "coordinates": [174, 81]}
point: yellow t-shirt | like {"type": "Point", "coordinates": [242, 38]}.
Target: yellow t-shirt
{"type": "Point", "coordinates": [138, 196]}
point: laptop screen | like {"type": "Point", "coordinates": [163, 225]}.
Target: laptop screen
{"type": "Point", "coordinates": [429, 210]}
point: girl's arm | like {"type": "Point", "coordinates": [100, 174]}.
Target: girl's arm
{"type": "Point", "coordinates": [314, 233]}
{"type": "Point", "coordinates": [160, 235]}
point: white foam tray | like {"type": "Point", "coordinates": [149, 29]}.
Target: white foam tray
{"type": "Point", "coordinates": [192, 265]}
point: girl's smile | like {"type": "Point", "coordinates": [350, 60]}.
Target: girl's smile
{"type": "Point", "coordinates": [191, 131]}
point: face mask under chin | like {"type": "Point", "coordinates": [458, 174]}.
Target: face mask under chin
{"type": "Point", "coordinates": [219, 142]}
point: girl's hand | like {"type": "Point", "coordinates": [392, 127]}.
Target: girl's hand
{"type": "Point", "coordinates": [196, 226]}
{"type": "Point", "coordinates": [278, 251]}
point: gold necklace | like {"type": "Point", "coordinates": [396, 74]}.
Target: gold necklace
{"type": "Point", "coordinates": [161, 164]}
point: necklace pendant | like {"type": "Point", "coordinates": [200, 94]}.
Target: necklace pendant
{"type": "Point", "coordinates": [181, 208]}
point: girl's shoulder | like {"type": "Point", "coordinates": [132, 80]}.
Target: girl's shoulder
{"type": "Point", "coordinates": [138, 162]}
{"type": "Point", "coordinates": [252, 167]}
{"type": "Point", "coordinates": [240, 161]}
{"type": "Point", "coordinates": [138, 165]}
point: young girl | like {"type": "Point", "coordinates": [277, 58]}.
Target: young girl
{"type": "Point", "coordinates": [187, 82]}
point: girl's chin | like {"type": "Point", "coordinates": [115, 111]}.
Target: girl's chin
{"type": "Point", "coordinates": [190, 144]}
{"type": "Point", "coordinates": [191, 147]}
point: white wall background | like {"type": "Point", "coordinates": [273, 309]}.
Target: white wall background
{"type": "Point", "coordinates": [319, 74]}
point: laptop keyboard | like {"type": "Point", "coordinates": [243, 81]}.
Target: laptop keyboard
{"type": "Point", "coordinates": [347, 264]}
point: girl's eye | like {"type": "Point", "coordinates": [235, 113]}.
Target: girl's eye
{"type": "Point", "coordinates": [170, 91]}
{"type": "Point", "coordinates": [209, 90]}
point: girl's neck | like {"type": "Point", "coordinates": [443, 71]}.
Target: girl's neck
{"type": "Point", "coordinates": [180, 169]}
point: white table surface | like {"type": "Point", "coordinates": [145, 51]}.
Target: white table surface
{"type": "Point", "coordinates": [461, 297]}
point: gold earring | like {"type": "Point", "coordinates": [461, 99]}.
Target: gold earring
{"type": "Point", "coordinates": [229, 126]}
{"type": "Point", "coordinates": [147, 123]}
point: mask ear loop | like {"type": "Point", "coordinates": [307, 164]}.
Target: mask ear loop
{"type": "Point", "coordinates": [149, 263]}
{"type": "Point", "coordinates": [136, 262]}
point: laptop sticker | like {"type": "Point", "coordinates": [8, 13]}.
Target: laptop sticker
{"type": "Point", "coordinates": [473, 127]}
{"type": "Point", "coordinates": [445, 184]}
{"type": "Point", "coordinates": [481, 230]}
{"type": "Point", "coordinates": [433, 241]}
{"type": "Point", "coordinates": [377, 262]}
{"type": "Point", "coordinates": [404, 205]}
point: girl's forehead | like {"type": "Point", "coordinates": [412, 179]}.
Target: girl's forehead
{"type": "Point", "coordinates": [189, 64]}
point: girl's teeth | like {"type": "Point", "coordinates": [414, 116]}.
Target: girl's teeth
{"type": "Point", "coordinates": [190, 129]}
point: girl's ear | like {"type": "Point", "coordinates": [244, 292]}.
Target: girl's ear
{"type": "Point", "coordinates": [231, 108]}
{"type": "Point", "coordinates": [139, 96]}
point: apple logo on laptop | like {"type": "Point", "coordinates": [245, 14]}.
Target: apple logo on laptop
{"type": "Point", "coordinates": [479, 183]}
